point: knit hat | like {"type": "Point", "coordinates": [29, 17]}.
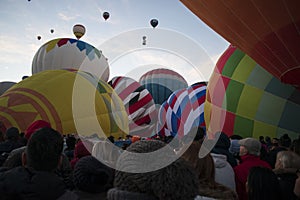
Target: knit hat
{"type": "Point", "coordinates": [90, 175]}
{"type": "Point", "coordinates": [223, 141]}
{"type": "Point", "coordinates": [12, 132]}
{"type": "Point", "coordinates": [175, 181]}
{"type": "Point", "coordinates": [252, 145]}
{"type": "Point", "coordinates": [35, 126]}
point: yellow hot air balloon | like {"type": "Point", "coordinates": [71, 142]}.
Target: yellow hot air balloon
{"type": "Point", "coordinates": [78, 30]}
{"type": "Point", "coordinates": [49, 96]}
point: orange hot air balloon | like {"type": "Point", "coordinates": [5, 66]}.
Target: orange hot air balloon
{"type": "Point", "coordinates": [268, 31]}
{"type": "Point", "coordinates": [78, 30]}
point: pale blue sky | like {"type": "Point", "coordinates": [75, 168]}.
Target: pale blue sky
{"type": "Point", "coordinates": [22, 21]}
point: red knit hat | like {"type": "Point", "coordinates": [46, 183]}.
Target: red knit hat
{"type": "Point", "coordinates": [35, 126]}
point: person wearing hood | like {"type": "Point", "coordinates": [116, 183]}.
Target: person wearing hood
{"type": "Point", "coordinates": [224, 173]}
{"type": "Point", "coordinates": [222, 147]}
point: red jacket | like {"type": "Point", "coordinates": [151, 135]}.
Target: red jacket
{"type": "Point", "coordinates": [242, 170]}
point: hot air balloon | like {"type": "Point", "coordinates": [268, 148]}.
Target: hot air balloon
{"type": "Point", "coordinates": [105, 15]}
{"type": "Point", "coordinates": [39, 37]}
{"type": "Point", "coordinates": [52, 31]}
{"type": "Point", "coordinates": [5, 85]}
{"type": "Point", "coordinates": [267, 31]}
{"type": "Point", "coordinates": [161, 83]}
{"type": "Point", "coordinates": [70, 53]}
{"type": "Point", "coordinates": [154, 22]}
{"type": "Point", "coordinates": [144, 40]}
{"type": "Point", "coordinates": [139, 105]}
{"type": "Point", "coordinates": [49, 96]}
{"type": "Point", "coordinates": [183, 111]}
{"type": "Point", "coordinates": [78, 30]}
{"type": "Point", "coordinates": [244, 99]}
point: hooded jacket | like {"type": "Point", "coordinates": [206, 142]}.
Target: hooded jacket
{"type": "Point", "coordinates": [224, 173]}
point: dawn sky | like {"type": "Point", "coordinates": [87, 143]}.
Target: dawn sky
{"type": "Point", "coordinates": [181, 41]}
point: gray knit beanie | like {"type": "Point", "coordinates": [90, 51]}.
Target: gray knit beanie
{"type": "Point", "coordinates": [175, 181]}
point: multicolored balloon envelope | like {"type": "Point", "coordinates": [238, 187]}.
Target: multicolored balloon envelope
{"type": "Point", "coordinates": [246, 100]}
{"type": "Point", "coordinates": [161, 83]}
{"type": "Point", "coordinates": [183, 110]}
{"type": "Point", "coordinates": [139, 105]}
{"type": "Point", "coordinates": [49, 96]}
{"type": "Point", "coordinates": [266, 30]}
{"type": "Point", "coordinates": [64, 53]}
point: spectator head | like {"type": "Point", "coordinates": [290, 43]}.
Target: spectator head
{"type": "Point", "coordinates": [262, 184]}
{"type": "Point", "coordinates": [175, 181]}
{"type": "Point", "coordinates": [287, 159]}
{"type": "Point", "coordinates": [43, 151]}
{"type": "Point", "coordinates": [35, 126]}
{"type": "Point", "coordinates": [295, 147]}
{"type": "Point", "coordinates": [249, 146]}
{"type": "Point", "coordinates": [285, 141]}
{"type": "Point", "coordinates": [12, 133]}
{"type": "Point", "coordinates": [90, 175]}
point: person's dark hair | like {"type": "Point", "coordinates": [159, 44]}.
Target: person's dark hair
{"type": "Point", "coordinates": [285, 141]}
{"type": "Point", "coordinates": [71, 142]}
{"type": "Point", "coordinates": [263, 184]}
{"type": "Point", "coordinates": [44, 149]}
{"type": "Point", "coordinates": [235, 137]}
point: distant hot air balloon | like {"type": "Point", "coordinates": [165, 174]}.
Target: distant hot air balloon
{"type": "Point", "coordinates": [52, 31]}
{"type": "Point", "coordinates": [144, 40]}
{"type": "Point", "coordinates": [5, 86]}
{"type": "Point", "coordinates": [105, 15]}
{"type": "Point", "coordinates": [161, 83]}
{"type": "Point", "coordinates": [39, 37]}
{"type": "Point", "coordinates": [154, 22]}
{"type": "Point", "coordinates": [69, 53]}
{"type": "Point", "coordinates": [267, 31]}
{"type": "Point", "coordinates": [78, 30]}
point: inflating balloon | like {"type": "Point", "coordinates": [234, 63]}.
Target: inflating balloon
{"type": "Point", "coordinates": [105, 15]}
{"type": "Point", "coordinates": [78, 30]}
{"type": "Point", "coordinates": [161, 83]}
{"type": "Point", "coordinates": [154, 22]}
{"type": "Point", "coordinates": [183, 111]}
{"type": "Point", "coordinates": [5, 85]}
{"type": "Point", "coordinates": [48, 96]}
{"type": "Point", "coordinates": [139, 105]}
{"type": "Point", "coordinates": [244, 99]}
{"type": "Point", "coordinates": [267, 31]}
{"type": "Point", "coordinates": [70, 53]}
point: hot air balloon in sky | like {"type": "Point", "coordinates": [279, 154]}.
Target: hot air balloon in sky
{"type": "Point", "coordinates": [183, 111]}
{"type": "Point", "coordinates": [139, 105]}
{"type": "Point", "coordinates": [161, 83]}
{"type": "Point", "coordinates": [70, 54]}
{"type": "Point", "coordinates": [78, 30]}
{"type": "Point", "coordinates": [48, 96]}
{"type": "Point", "coordinates": [105, 15]}
{"type": "Point", "coordinates": [39, 37]}
{"type": "Point", "coordinates": [153, 22]}
{"type": "Point", "coordinates": [51, 30]}
{"type": "Point", "coordinates": [244, 99]}
{"type": "Point", "coordinates": [267, 31]}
